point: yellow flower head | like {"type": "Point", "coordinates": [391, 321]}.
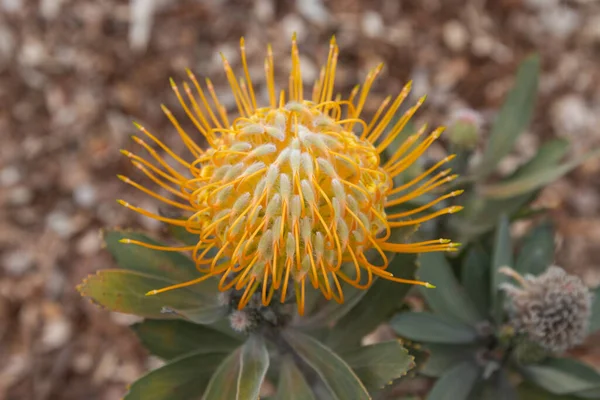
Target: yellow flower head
{"type": "Point", "coordinates": [287, 193]}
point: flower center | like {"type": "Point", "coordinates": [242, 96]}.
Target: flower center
{"type": "Point", "coordinates": [289, 190]}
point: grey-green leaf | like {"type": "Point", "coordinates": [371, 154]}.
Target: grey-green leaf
{"type": "Point", "coordinates": [500, 387]}
{"type": "Point", "coordinates": [169, 339]}
{"type": "Point", "coordinates": [380, 301]}
{"type": "Point", "coordinates": [548, 156]}
{"type": "Point", "coordinates": [164, 264]}
{"type": "Point", "coordinates": [333, 371]}
{"type": "Point", "coordinates": [457, 383]}
{"type": "Point", "coordinates": [448, 298]}
{"type": "Point", "coordinates": [476, 277]}
{"type": "Point", "coordinates": [240, 376]}
{"type": "Point", "coordinates": [481, 214]}
{"type": "Point", "coordinates": [595, 318]}
{"type": "Point", "coordinates": [125, 291]}
{"type": "Point", "coordinates": [183, 378]}
{"type": "Point", "coordinates": [514, 116]}
{"type": "Point", "coordinates": [533, 181]}
{"type": "Point", "coordinates": [537, 252]}
{"type": "Point", "coordinates": [562, 376]}
{"type": "Point", "coordinates": [378, 364]}
{"type": "Point", "coordinates": [501, 257]}
{"type": "Point", "coordinates": [442, 357]}
{"type": "Point", "coordinates": [528, 391]}
{"type": "Point", "coordinates": [292, 384]}
{"type": "Point", "coordinates": [427, 327]}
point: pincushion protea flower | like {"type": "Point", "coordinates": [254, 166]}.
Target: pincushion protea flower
{"type": "Point", "coordinates": [285, 194]}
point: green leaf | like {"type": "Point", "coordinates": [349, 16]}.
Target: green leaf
{"type": "Point", "coordinates": [240, 375]}
{"type": "Point", "coordinates": [537, 252]}
{"type": "Point", "coordinates": [535, 180]}
{"type": "Point", "coordinates": [184, 378]}
{"type": "Point", "coordinates": [548, 156]}
{"type": "Point", "coordinates": [169, 339]}
{"type": "Point", "coordinates": [125, 291]}
{"type": "Point", "coordinates": [501, 257]}
{"type": "Point", "coordinates": [476, 277]}
{"type": "Point", "coordinates": [514, 116]}
{"type": "Point", "coordinates": [442, 357]}
{"type": "Point", "coordinates": [165, 264]}
{"type": "Point", "coordinates": [481, 215]}
{"type": "Point", "coordinates": [499, 387]}
{"type": "Point", "coordinates": [427, 327]}
{"type": "Point", "coordinates": [595, 318]}
{"type": "Point", "coordinates": [589, 394]}
{"type": "Point", "coordinates": [562, 376]}
{"type": "Point", "coordinates": [182, 235]}
{"type": "Point", "coordinates": [528, 391]}
{"type": "Point", "coordinates": [448, 298]}
{"type": "Point", "coordinates": [292, 384]}
{"type": "Point", "coordinates": [379, 302]}
{"type": "Point", "coordinates": [333, 371]}
{"type": "Point", "coordinates": [331, 311]}
{"type": "Point", "coordinates": [378, 364]}
{"type": "Point", "coordinates": [457, 383]}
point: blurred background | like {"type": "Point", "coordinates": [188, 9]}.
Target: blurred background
{"type": "Point", "coordinates": [75, 74]}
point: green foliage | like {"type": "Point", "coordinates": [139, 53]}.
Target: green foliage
{"type": "Point", "coordinates": [377, 305]}
{"type": "Point", "coordinates": [475, 279]}
{"type": "Point", "coordinates": [563, 376]}
{"type": "Point", "coordinates": [457, 383]}
{"type": "Point", "coordinates": [595, 320]}
{"type": "Point", "coordinates": [378, 364]}
{"type": "Point", "coordinates": [125, 291]}
{"type": "Point", "coordinates": [514, 115]}
{"type": "Point", "coordinates": [292, 383]}
{"type": "Point", "coordinates": [432, 328]}
{"type": "Point", "coordinates": [207, 359]}
{"type": "Point", "coordinates": [537, 252]}
{"type": "Point", "coordinates": [337, 376]}
{"type": "Point", "coordinates": [183, 378]}
{"type": "Point", "coordinates": [448, 298]}
{"type": "Point", "coordinates": [501, 257]}
{"type": "Point", "coordinates": [241, 374]}
{"type": "Point", "coordinates": [474, 358]}
{"type": "Point", "coordinates": [169, 339]}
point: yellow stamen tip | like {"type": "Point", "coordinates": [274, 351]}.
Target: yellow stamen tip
{"type": "Point", "coordinates": [125, 240]}
{"type": "Point", "coordinates": [152, 293]}
{"type": "Point", "coordinates": [138, 126]}
{"type": "Point", "coordinates": [429, 285]}
{"type": "Point", "coordinates": [242, 42]}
